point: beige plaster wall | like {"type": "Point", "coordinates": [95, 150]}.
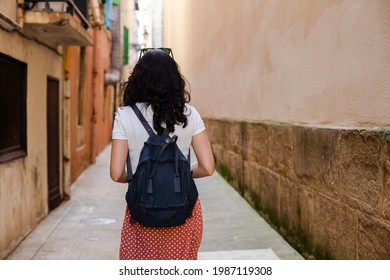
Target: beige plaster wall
{"type": "Point", "coordinates": [8, 8]}
{"type": "Point", "coordinates": [23, 182]}
{"type": "Point", "coordinates": [322, 63]}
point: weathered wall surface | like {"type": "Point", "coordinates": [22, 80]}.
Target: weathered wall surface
{"type": "Point", "coordinates": [295, 95]}
{"type": "Point", "coordinates": [325, 190]}
{"type": "Point", "coordinates": [23, 181]}
{"type": "Point", "coordinates": [303, 62]}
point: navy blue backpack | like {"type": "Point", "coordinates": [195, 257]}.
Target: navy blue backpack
{"type": "Point", "coordinates": [162, 192]}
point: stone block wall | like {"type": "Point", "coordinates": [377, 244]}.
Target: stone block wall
{"type": "Point", "coordinates": [326, 190]}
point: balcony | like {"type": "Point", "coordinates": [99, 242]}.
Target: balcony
{"type": "Point", "coordinates": [57, 22]}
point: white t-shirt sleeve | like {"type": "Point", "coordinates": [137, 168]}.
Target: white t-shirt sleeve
{"type": "Point", "coordinates": [198, 121]}
{"type": "Point", "coordinates": [118, 131]}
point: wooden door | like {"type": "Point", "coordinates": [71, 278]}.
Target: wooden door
{"type": "Point", "coordinates": [53, 143]}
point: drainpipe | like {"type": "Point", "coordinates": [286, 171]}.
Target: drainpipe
{"type": "Point", "coordinates": [114, 76]}
{"type": "Point", "coordinates": [97, 60]}
{"type": "Point", "coordinates": [66, 147]}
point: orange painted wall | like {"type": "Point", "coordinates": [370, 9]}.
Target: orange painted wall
{"type": "Point", "coordinates": [102, 94]}
{"type": "Point", "coordinates": [96, 129]}
{"type": "Point", "coordinates": [80, 156]}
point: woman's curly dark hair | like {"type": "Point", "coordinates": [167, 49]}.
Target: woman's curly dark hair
{"type": "Point", "coordinates": [156, 80]}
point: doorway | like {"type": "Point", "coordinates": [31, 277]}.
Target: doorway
{"type": "Point", "coordinates": [53, 143]}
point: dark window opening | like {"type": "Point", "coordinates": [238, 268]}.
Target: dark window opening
{"type": "Point", "coordinates": [13, 135]}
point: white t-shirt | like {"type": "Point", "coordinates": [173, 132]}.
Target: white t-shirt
{"type": "Point", "coordinates": [128, 127]}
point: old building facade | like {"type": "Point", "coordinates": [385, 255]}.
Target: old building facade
{"type": "Point", "coordinates": [56, 106]}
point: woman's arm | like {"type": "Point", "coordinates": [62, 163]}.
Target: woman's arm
{"type": "Point", "coordinates": [119, 151]}
{"type": "Point", "coordinates": [205, 165]}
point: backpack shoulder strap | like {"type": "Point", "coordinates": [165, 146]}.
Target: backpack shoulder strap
{"type": "Point", "coordinates": [150, 132]}
{"type": "Point", "coordinates": [142, 120]}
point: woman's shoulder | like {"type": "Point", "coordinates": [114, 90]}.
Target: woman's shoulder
{"type": "Point", "coordinates": [127, 115]}
{"type": "Point", "coordinates": [123, 109]}
{"type": "Point", "coordinates": [122, 113]}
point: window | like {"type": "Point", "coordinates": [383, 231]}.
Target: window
{"type": "Point", "coordinates": [125, 45]}
{"type": "Point", "coordinates": [13, 135]}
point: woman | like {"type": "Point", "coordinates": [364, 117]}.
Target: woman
{"type": "Point", "coordinates": [157, 88]}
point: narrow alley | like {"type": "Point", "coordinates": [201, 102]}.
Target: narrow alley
{"type": "Point", "coordinates": [87, 227]}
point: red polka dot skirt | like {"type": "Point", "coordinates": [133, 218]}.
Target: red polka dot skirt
{"type": "Point", "coordinates": [173, 243]}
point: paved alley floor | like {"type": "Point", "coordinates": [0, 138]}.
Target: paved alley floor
{"type": "Point", "coordinates": [87, 227]}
